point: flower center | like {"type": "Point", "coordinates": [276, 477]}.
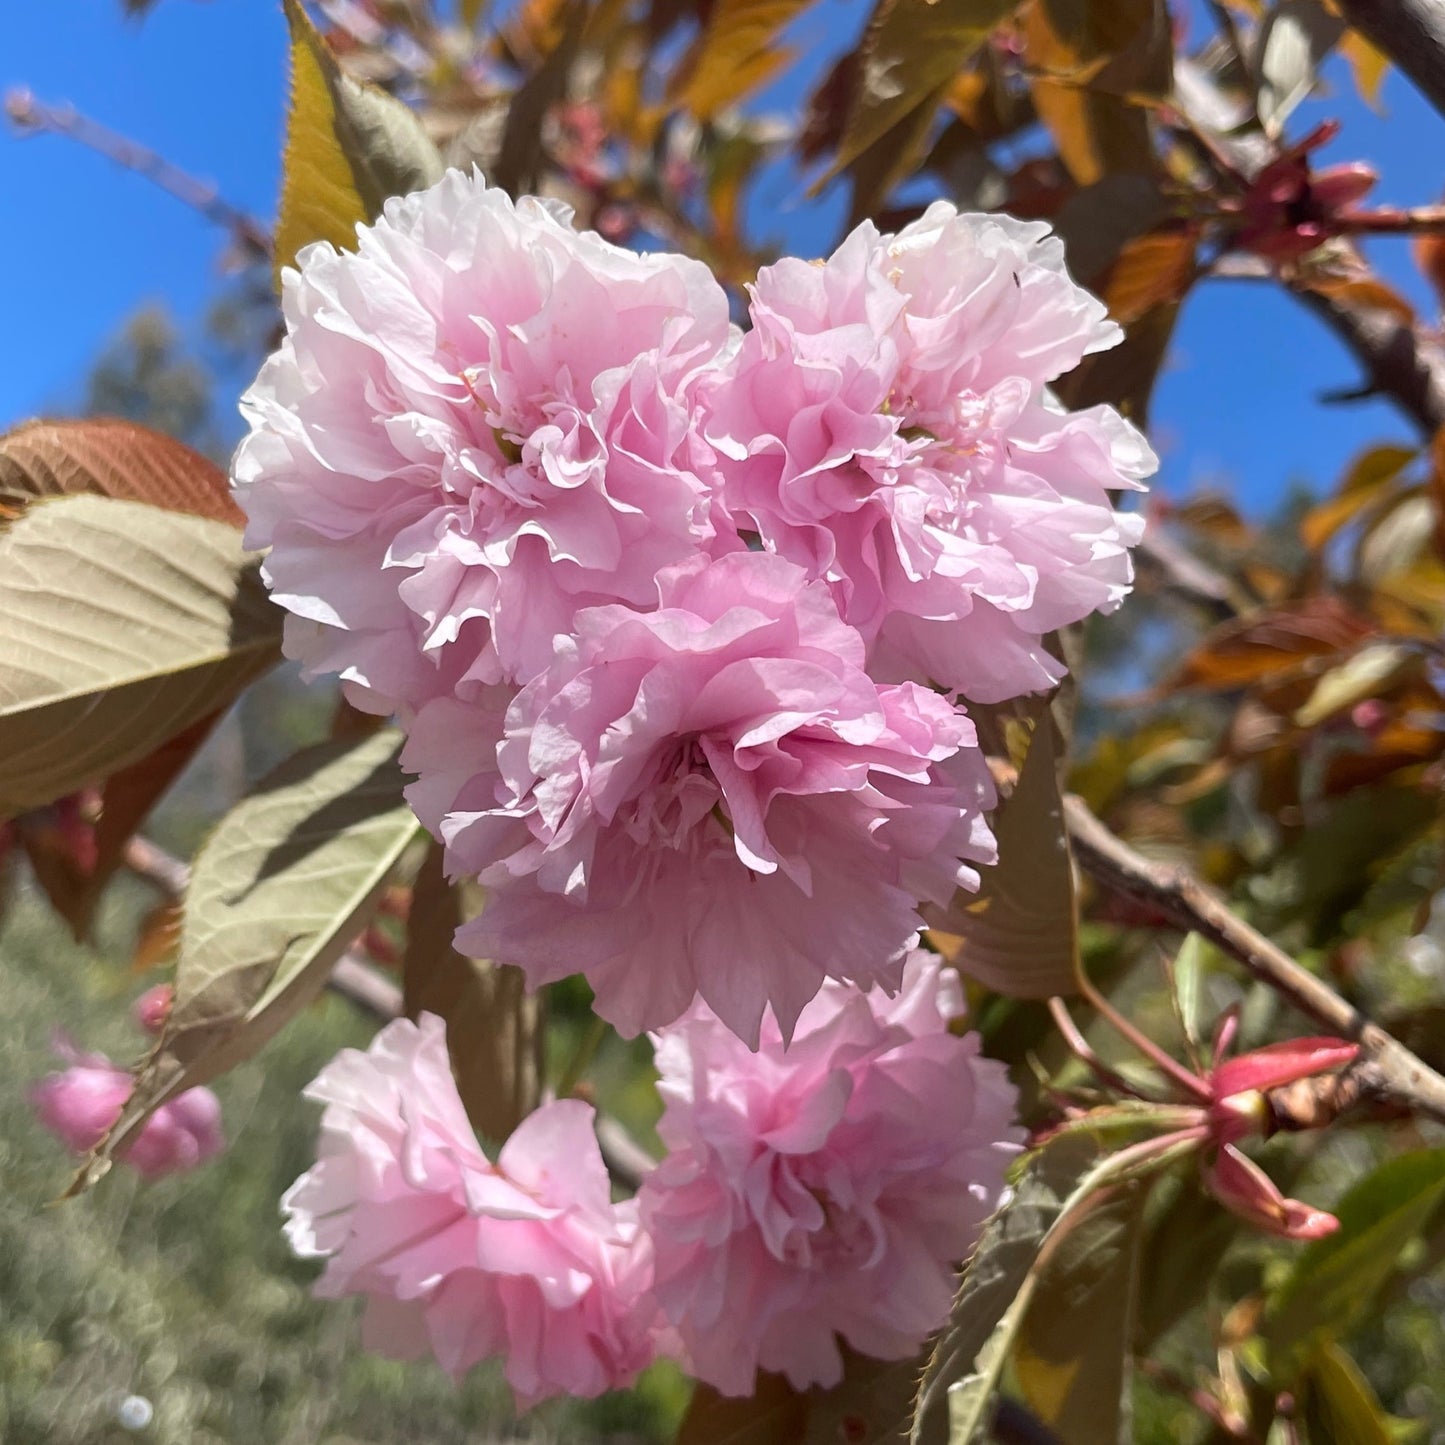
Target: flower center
{"type": "Point", "coordinates": [683, 794]}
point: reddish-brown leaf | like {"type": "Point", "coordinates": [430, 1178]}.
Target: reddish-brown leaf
{"type": "Point", "coordinates": [1271, 645]}
{"type": "Point", "coordinates": [126, 799]}
{"type": "Point", "coordinates": [1151, 270]}
{"type": "Point", "coordinates": [111, 458]}
{"type": "Point", "coordinates": [159, 937]}
{"type": "Point", "coordinates": [494, 1026]}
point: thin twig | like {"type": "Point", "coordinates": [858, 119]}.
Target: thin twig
{"type": "Point", "coordinates": [33, 117]}
{"type": "Point", "coordinates": [1386, 1068]}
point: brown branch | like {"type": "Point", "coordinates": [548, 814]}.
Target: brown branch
{"type": "Point", "coordinates": [34, 117]}
{"type": "Point", "coordinates": [1390, 221]}
{"type": "Point", "coordinates": [1411, 33]}
{"type": "Point", "coordinates": [366, 987]}
{"type": "Point", "coordinates": [1402, 359]}
{"type": "Point", "coordinates": [1386, 1068]}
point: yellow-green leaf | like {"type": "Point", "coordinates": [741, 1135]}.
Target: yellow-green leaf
{"type": "Point", "coordinates": [1368, 479]}
{"type": "Point", "coordinates": [287, 880]}
{"type": "Point", "coordinates": [1338, 1403]}
{"type": "Point", "coordinates": [349, 146]}
{"type": "Point", "coordinates": [1360, 676]}
{"type": "Point", "coordinates": [121, 625]}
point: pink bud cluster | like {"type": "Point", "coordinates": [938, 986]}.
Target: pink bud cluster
{"type": "Point", "coordinates": [681, 621]}
{"type": "Point", "coordinates": [81, 1102]}
{"type": "Point", "coordinates": [813, 1192]}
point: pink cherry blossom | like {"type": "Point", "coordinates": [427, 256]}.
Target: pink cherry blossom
{"type": "Point", "coordinates": [527, 1259]}
{"type": "Point", "coordinates": [80, 1103]}
{"type": "Point", "coordinates": [478, 422]}
{"type": "Point", "coordinates": [887, 424]}
{"type": "Point", "coordinates": [827, 1190]}
{"type": "Point", "coordinates": [711, 798]}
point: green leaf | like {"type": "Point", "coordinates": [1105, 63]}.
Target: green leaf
{"type": "Point", "coordinates": [494, 1026]}
{"type": "Point", "coordinates": [1019, 933]}
{"type": "Point", "coordinates": [121, 625]}
{"type": "Point", "coordinates": [872, 1405]}
{"type": "Point", "coordinates": [1186, 1240]}
{"type": "Point", "coordinates": [111, 458]}
{"type": "Point", "coordinates": [911, 49]}
{"type": "Point", "coordinates": [1397, 539]}
{"type": "Point", "coordinates": [1335, 1279]}
{"type": "Point", "coordinates": [279, 890]}
{"type": "Point", "coordinates": [349, 147]}
{"type": "Point", "coordinates": [963, 1374]}
{"type": "Point", "coordinates": [1339, 1405]}
{"type": "Point", "coordinates": [1073, 1355]}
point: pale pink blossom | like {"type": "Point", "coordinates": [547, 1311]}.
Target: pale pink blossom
{"type": "Point", "coordinates": [527, 1259]}
{"type": "Point", "coordinates": [827, 1190]}
{"type": "Point", "coordinates": [478, 422]}
{"type": "Point", "coordinates": [887, 424]}
{"type": "Point", "coordinates": [80, 1103]}
{"type": "Point", "coordinates": [709, 798]}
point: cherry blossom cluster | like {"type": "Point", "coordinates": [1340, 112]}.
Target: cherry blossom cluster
{"type": "Point", "coordinates": [681, 622]}
{"type": "Point", "coordinates": [810, 1192]}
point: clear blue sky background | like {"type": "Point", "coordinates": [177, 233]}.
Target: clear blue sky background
{"type": "Point", "coordinates": [82, 244]}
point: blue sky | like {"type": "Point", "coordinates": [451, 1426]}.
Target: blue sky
{"type": "Point", "coordinates": [84, 244]}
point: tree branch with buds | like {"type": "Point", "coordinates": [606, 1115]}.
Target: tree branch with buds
{"type": "Point", "coordinates": [1385, 1068]}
